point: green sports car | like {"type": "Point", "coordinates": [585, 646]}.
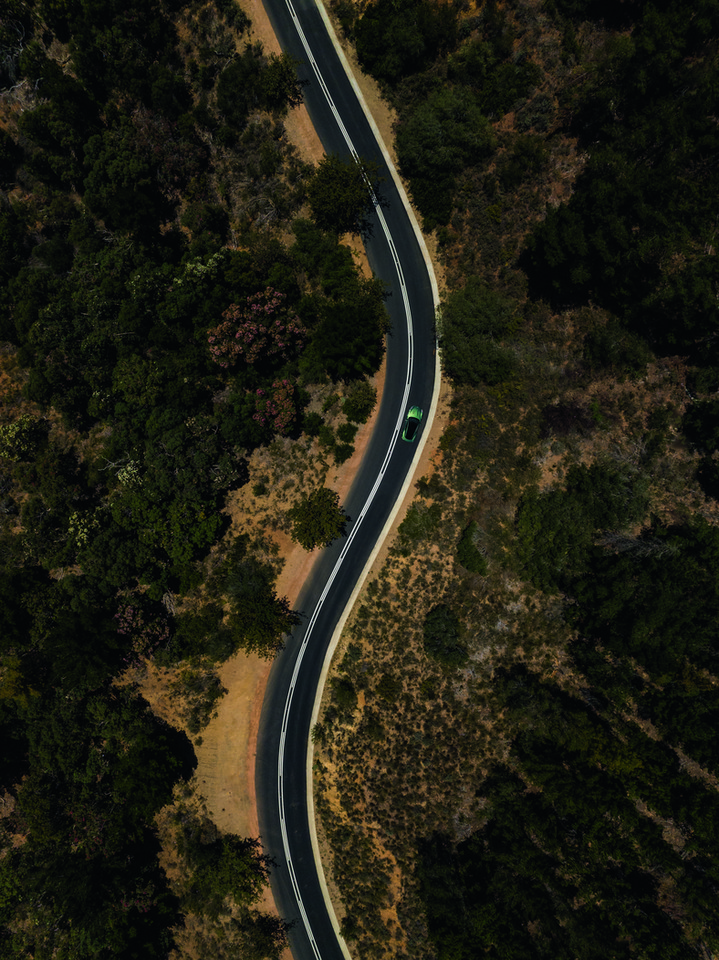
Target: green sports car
{"type": "Point", "coordinates": [411, 424]}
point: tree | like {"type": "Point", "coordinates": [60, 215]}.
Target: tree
{"type": "Point", "coordinates": [262, 329]}
{"type": "Point", "coordinates": [347, 342]}
{"type": "Point", "coordinates": [279, 84]}
{"type": "Point", "coordinates": [556, 528]}
{"type": "Point", "coordinates": [259, 619]}
{"type": "Point", "coordinates": [359, 402]}
{"type": "Point", "coordinates": [317, 519]}
{"type": "Point", "coordinates": [121, 184]}
{"type": "Point", "coordinates": [238, 86]}
{"type": "Point", "coordinates": [341, 194]}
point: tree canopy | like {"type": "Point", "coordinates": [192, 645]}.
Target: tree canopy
{"type": "Point", "coordinates": [317, 519]}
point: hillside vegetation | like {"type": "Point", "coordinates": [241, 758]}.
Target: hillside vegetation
{"type": "Point", "coordinates": [165, 313]}
{"type": "Point", "coordinates": [518, 755]}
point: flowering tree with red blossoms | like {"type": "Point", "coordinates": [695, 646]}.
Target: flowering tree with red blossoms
{"type": "Point", "coordinates": [261, 327]}
{"type": "Point", "coordinates": [277, 408]}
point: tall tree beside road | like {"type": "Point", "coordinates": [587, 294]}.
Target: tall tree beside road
{"type": "Point", "coordinates": [340, 194]}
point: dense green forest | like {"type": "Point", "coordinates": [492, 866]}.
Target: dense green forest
{"type": "Point", "coordinates": [523, 717]}
{"type": "Point", "coordinates": [164, 311]}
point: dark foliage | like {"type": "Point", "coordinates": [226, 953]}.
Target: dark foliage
{"type": "Point", "coordinates": [474, 321]}
{"type": "Point", "coordinates": [638, 203]}
{"type": "Point", "coordinates": [556, 528]}
{"type": "Point", "coordinates": [340, 194]}
{"type": "Point", "coordinates": [442, 635]}
{"type": "Point", "coordinates": [113, 273]}
{"type": "Point", "coordinates": [394, 39]}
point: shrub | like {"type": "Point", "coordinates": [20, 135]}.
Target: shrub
{"type": "Point", "coordinates": [346, 432]}
{"type": "Point", "coordinates": [389, 688]}
{"type": "Point", "coordinates": [345, 695]}
{"type": "Point", "coordinates": [421, 521]}
{"type": "Point", "coordinates": [312, 424]}
{"type": "Point", "coordinates": [468, 554]}
{"type": "Point", "coordinates": [612, 347]}
{"type": "Point", "coordinates": [261, 329]}
{"type": "Point", "coordinates": [472, 321]}
{"type": "Point", "coordinates": [276, 409]}
{"type": "Point", "coordinates": [342, 452]}
{"type": "Point", "coordinates": [442, 637]}
{"type": "Point", "coordinates": [21, 439]}
{"type": "Point", "coordinates": [359, 401]}
{"type": "Point", "coordinates": [326, 437]}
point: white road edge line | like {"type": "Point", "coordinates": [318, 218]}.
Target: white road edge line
{"type": "Point", "coordinates": [420, 447]}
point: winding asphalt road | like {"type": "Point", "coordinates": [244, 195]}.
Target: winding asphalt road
{"type": "Point", "coordinates": [395, 256]}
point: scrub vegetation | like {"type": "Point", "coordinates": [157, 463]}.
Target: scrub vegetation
{"type": "Point", "coordinates": [527, 766]}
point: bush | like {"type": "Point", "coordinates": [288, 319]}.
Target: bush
{"type": "Point", "coordinates": [421, 521]}
{"type": "Point", "coordinates": [339, 194]}
{"type": "Point", "coordinates": [389, 688]}
{"type": "Point", "coordinates": [526, 160]}
{"type": "Point", "coordinates": [556, 528]}
{"type": "Point", "coordinates": [471, 322]}
{"type": "Point", "coordinates": [612, 347]}
{"type": "Point", "coordinates": [346, 432]}
{"type": "Point", "coordinates": [345, 695]}
{"type": "Point", "coordinates": [342, 452]}
{"type": "Point", "coordinates": [468, 554]}
{"type": "Point", "coordinates": [442, 637]}
{"type": "Point", "coordinates": [398, 37]}
{"type": "Point", "coordinates": [312, 424]}
{"type": "Point", "coordinates": [359, 401]}
{"type": "Point", "coordinates": [446, 133]}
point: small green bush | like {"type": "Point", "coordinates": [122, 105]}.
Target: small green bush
{"type": "Point", "coordinates": [468, 554]}
{"type": "Point", "coordinates": [421, 521]}
{"type": "Point", "coordinates": [359, 401]}
{"type": "Point", "coordinates": [442, 637]}
{"type": "Point", "coordinates": [347, 432]}
{"type": "Point", "coordinates": [312, 424]}
{"type": "Point", "coordinates": [345, 695]}
{"type": "Point", "coordinates": [342, 452]}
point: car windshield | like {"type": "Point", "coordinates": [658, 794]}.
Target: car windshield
{"type": "Point", "coordinates": [412, 424]}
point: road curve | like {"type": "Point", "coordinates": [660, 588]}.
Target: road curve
{"type": "Point", "coordinates": [396, 257]}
